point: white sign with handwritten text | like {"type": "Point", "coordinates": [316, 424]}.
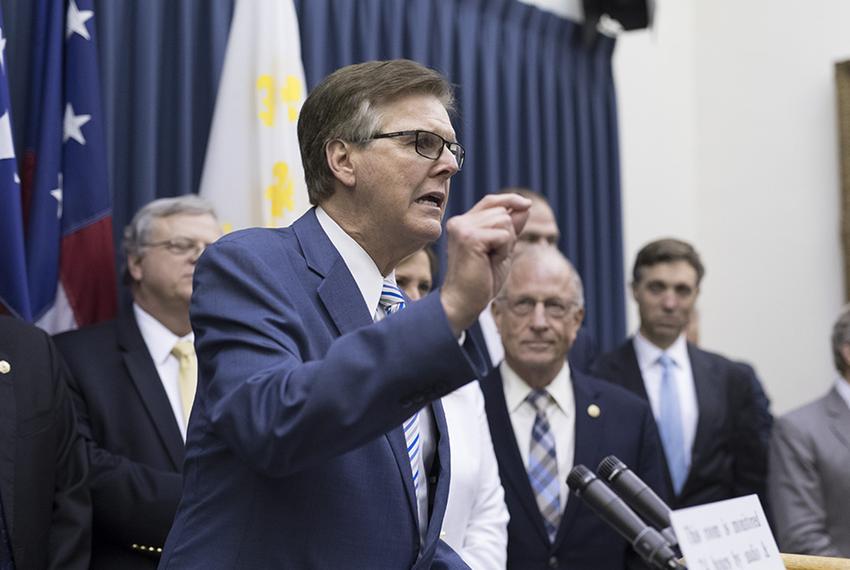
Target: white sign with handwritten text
{"type": "Point", "coordinates": [727, 535]}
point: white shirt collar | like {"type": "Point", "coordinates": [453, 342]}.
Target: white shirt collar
{"type": "Point", "coordinates": [156, 335]}
{"type": "Point", "coordinates": [516, 390]}
{"type": "Point", "coordinates": [361, 266]}
{"type": "Point", "coordinates": [648, 354]}
{"type": "Point", "coordinates": [843, 388]}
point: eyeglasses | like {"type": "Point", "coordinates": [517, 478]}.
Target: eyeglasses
{"type": "Point", "coordinates": [553, 308]}
{"type": "Point", "coordinates": [180, 246]}
{"type": "Point", "coordinates": [430, 145]}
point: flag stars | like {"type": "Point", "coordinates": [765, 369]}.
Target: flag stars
{"type": "Point", "coordinates": [73, 125]}
{"type": "Point", "coordinates": [2, 50]}
{"type": "Point", "coordinates": [57, 195]}
{"type": "Point", "coordinates": [76, 21]}
{"type": "Point", "coordinates": [7, 149]}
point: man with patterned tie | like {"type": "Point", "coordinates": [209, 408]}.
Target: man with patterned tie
{"type": "Point", "coordinates": [297, 455]}
{"type": "Point", "coordinates": [707, 408]}
{"type": "Point", "coordinates": [133, 382]}
{"type": "Point", "coordinates": [546, 417]}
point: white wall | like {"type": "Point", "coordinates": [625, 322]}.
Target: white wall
{"type": "Point", "coordinates": [728, 139]}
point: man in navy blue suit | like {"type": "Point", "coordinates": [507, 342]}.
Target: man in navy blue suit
{"type": "Point", "coordinates": [711, 412]}
{"type": "Point", "coordinates": [546, 417]}
{"type": "Point", "coordinates": [296, 455]}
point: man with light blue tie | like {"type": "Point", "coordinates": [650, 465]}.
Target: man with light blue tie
{"type": "Point", "coordinates": [316, 438]}
{"type": "Point", "coordinates": [707, 408]}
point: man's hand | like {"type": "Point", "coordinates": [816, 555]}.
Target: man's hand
{"type": "Point", "coordinates": [480, 243]}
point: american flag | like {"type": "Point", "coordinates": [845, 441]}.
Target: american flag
{"type": "Point", "coordinates": [14, 296]}
{"type": "Point", "coordinates": [66, 202]}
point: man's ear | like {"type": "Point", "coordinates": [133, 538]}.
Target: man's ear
{"type": "Point", "coordinates": [338, 157]}
{"type": "Point", "coordinates": [579, 316]}
{"type": "Point", "coordinates": [134, 267]}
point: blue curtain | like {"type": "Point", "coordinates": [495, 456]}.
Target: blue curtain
{"type": "Point", "coordinates": [535, 105]}
{"type": "Point", "coordinates": [536, 108]}
{"type": "Point", "coordinates": [160, 65]}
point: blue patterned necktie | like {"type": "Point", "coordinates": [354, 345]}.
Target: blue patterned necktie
{"type": "Point", "coordinates": [392, 301]}
{"type": "Point", "coordinates": [670, 425]}
{"type": "Point", "coordinates": [543, 464]}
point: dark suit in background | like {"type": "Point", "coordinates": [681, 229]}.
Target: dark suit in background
{"type": "Point", "coordinates": [133, 440]}
{"type": "Point", "coordinates": [729, 455]}
{"type": "Point", "coordinates": [43, 464]}
{"type": "Point", "coordinates": [624, 428]}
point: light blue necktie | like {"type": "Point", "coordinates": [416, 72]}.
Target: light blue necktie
{"type": "Point", "coordinates": [392, 301]}
{"type": "Point", "coordinates": [543, 464]}
{"type": "Point", "coordinates": [670, 425]}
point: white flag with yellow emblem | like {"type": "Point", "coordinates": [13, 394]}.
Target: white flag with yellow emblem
{"type": "Point", "coordinates": [252, 172]}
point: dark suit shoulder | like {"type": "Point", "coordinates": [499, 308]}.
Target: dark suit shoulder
{"type": "Point", "coordinates": [90, 336]}
{"type": "Point", "coordinates": [15, 333]}
{"type": "Point", "coordinates": [607, 362]}
{"type": "Point", "coordinates": [611, 392]}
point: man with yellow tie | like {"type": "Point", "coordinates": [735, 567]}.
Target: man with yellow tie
{"type": "Point", "coordinates": [134, 382]}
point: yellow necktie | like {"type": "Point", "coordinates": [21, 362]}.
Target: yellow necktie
{"type": "Point", "coordinates": [187, 378]}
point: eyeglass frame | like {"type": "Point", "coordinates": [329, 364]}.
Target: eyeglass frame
{"type": "Point", "coordinates": [512, 305]}
{"type": "Point", "coordinates": [460, 157]}
{"type": "Point", "coordinates": [196, 249]}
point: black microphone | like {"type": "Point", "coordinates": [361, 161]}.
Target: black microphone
{"type": "Point", "coordinates": [638, 495]}
{"type": "Point", "coordinates": [646, 541]}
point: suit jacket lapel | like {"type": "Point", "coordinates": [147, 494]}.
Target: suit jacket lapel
{"type": "Point", "coordinates": [709, 405]}
{"type": "Point", "coordinates": [339, 294]}
{"type": "Point", "coordinates": [8, 441]}
{"type": "Point", "coordinates": [338, 291]}
{"type": "Point", "coordinates": [146, 379]}
{"type": "Point", "coordinates": [511, 466]}
{"type": "Point", "coordinates": [441, 491]}
{"type": "Point", "coordinates": [839, 416]}
{"type": "Point", "coordinates": [588, 434]}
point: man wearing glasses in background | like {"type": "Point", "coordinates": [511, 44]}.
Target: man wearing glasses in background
{"type": "Point", "coordinates": [133, 382]}
{"type": "Point", "coordinates": [317, 439]}
{"type": "Point", "coordinates": [546, 417]}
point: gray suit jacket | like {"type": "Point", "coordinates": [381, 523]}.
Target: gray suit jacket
{"type": "Point", "coordinates": [809, 478]}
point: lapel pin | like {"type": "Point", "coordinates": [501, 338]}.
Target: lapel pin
{"type": "Point", "coordinates": [593, 411]}
{"type": "Point", "coordinates": [5, 367]}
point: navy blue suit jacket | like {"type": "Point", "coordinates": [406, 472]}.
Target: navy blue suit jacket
{"type": "Point", "coordinates": [729, 455]}
{"type": "Point", "coordinates": [295, 457]}
{"type": "Point", "coordinates": [624, 428]}
{"type": "Point", "coordinates": [43, 464]}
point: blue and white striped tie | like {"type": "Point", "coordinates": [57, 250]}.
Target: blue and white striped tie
{"type": "Point", "coordinates": [543, 464]}
{"type": "Point", "coordinates": [392, 301]}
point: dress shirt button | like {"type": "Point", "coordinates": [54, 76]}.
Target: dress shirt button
{"type": "Point", "coordinates": [553, 562]}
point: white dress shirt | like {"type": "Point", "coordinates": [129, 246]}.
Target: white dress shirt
{"type": "Point", "coordinates": [491, 335]}
{"type": "Point", "coordinates": [160, 341]}
{"type": "Point", "coordinates": [561, 418]}
{"type": "Point", "coordinates": [651, 370]}
{"type": "Point", "coordinates": [369, 280]}
{"type": "Point", "coordinates": [843, 388]}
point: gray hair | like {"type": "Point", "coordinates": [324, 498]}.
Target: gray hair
{"type": "Point", "coordinates": [137, 233]}
{"type": "Point", "coordinates": [840, 337]}
{"type": "Point", "coordinates": [551, 257]}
